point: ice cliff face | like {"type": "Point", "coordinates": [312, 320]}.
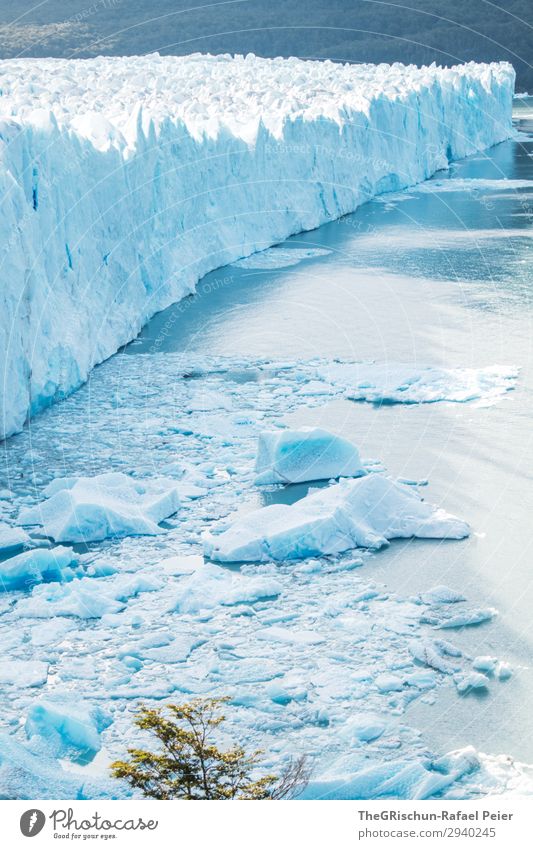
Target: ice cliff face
{"type": "Point", "coordinates": [124, 180]}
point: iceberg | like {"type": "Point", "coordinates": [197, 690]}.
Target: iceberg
{"type": "Point", "coordinates": [39, 564]}
{"type": "Point", "coordinates": [366, 512]}
{"type": "Point", "coordinates": [66, 728]}
{"type": "Point", "coordinates": [116, 171]}
{"type": "Point", "coordinates": [109, 505]}
{"type": "Point", "coordinates": [306, 454]}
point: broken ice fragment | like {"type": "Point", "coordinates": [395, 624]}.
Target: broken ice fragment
{"type": "Point", "coordinates": [473, 681]}
{"type": "Point", "coordinates": [109, 505]}
{"type": "Point", "coordinates": [306, 454]}
{"type": "Point", "coordinates": [37, 565]}
{"type": "Point", "coordinates": [365, 512]}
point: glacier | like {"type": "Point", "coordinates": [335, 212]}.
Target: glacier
{"type": "Point", "coordinates": [125, 180]}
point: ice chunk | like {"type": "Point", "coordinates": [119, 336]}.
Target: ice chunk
{"type": "Point", "coordinates": [26, 775]}
{"type": "Point", "coordinates": [210, 586]}
{"type": "Point", "coordinates": [23, 673]}
{"type": "Point", "coordinates": [472, 681]}
{"type": "Point", "coordinates": [109, 505]}
{"type": "Point", "coordinates": [503, 671]}
{"type": "Point", "coordinates": [67, 728]}
{"type": "Point", "coordinates": [436, 654]}
{"type": "Point", "coordinates": [364, 727]}
{"type": "Point", "coordinates": [387, 683]}
{"type": "Point", "coordinates": [485, 663]}
{"type": "Point", "coordinates": [85, 598]}
{"type": "Point", "coordinates": [365, 512]}
{"type": "Point", "coordinates": [441, 595]}
{"type": "Point", "coordinates": [399, 383]}
{"type": "Point", "coordinates": [458, 618]}
{"type": "Point", "coordinates": [306, 454]}
{"type": "Point", "coordinates": [181, 564]}
{"type": "Point", "coordinates": [11, 537]}
{"type": "Point", "coordinates": [397, 779]}
{"type": "Point", "coordinates": [37, 565]}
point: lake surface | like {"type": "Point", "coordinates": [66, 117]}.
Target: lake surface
{"type": "Point", "coordinates": [428, 277]}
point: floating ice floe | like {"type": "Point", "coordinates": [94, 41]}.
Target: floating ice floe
{"type": "Point", "coordinates": [458, 617]}
{"type": "Point", "coordinates": [472, 681]}
{"type": "Point", "coordinates": [210, 586]}
{"type": "Point", "coordinates": [11, 538]}
{"type": "Point", "coordinates": [63, 727]}
{"type": "Point", "coordinates": [23, 673]}
{"type": "Point", "coordinates": [306, 454]}
{"type": "Point", "coordinates": [397, 779]}
{"type": "Point", "coordinates": [36, 566]}
{"type": "Point", "coordinates": [438, 654]}
{"type": "Point", "coordinates": [110, 505]}
{"type": "Point", "coordinates": [27, 775]}
{"type": "Point", "coordinates": [277, 257]}
{"type": "Point", "coordinates": [85, 598]}
{"type": "Point", "coordinates": [398, 383]}
{"type": "Point", "coordinates": [159, 647]}
{"type": "Point", "coordinates": [366, 512]}
{"type": "Point", "coordinates": [441, 595]}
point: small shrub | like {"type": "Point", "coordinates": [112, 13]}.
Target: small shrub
{"type": "Point", "coordinates": [188, 765]}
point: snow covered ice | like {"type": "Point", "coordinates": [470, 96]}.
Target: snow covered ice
{"type": "Point", "coordinates": [397, 383]}
{"type": "Point", "coordinates": [109, 505]}
{"type": "Point", "coordinates": [306, 454]}
{"type": "Point", "coordinates": [120, 147]}
{"type": "Point", "coordinates": [366, 512]}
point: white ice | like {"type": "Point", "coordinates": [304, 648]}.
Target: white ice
{"type": "Point", "coordinates": [366, 512]}
{"type": "Point", "coordinates": [109, 505]}
{"type": "Point", "coordinates": [12, 537]}
{"type": "Point", "coordinates": [65, 727]}
{"type": "Point", "coordinates": [118, 216]}
{"type": "Point", "coordinates": [39, 564]}
{"type": "Point", "coordinates": [306, 454]}
{"type": "Point", "coordinates": [210, 586]}
{"type": "Point", "coordinates": [397, 383]}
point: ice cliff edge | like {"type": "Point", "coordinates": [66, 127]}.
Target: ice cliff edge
{"type": "Point", "coordinates": [125, 180]}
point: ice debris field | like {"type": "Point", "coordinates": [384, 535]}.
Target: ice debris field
{"type": "Point", "coordinates": [124, 180]}
{"type": "Point", "coordinates": [147, 548]}
{"type": "Point", "coordinates": [316, 656]}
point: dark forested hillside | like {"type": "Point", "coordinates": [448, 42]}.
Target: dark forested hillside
{"type": "Point", "coordinates": [419, 31]}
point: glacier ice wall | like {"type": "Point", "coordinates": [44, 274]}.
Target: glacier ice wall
{"type": "Point", "coordinates": [125, 180]}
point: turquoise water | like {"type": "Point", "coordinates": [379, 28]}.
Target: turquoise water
{"type": "Point", "coordinates": [434, 277]}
